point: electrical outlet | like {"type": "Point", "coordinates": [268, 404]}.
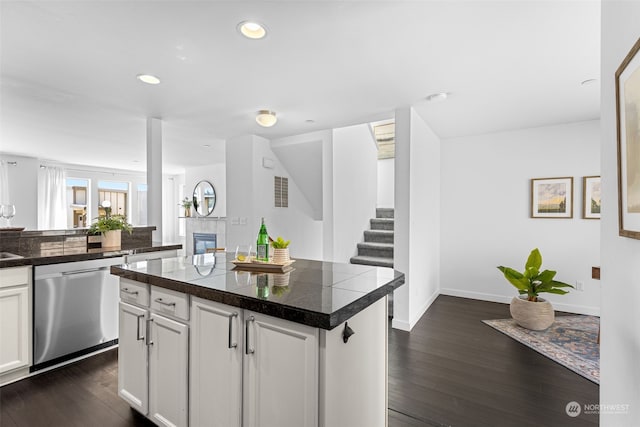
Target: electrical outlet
{"type": "Point", "coordinates": [579, 286]}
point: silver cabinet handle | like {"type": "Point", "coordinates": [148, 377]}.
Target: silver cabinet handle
{"type": "Point", "coordinates": [88, 270]}
{"type": "Point", "coordinates": [127, 291]}
{"type": "Point", "coordinates": [168, 304]}
{"type": "Point", "coordinates": [248, 350]}
{"type": "Point", "coordinates": [231, 317]}
{"type": "Point", "coordinates": [149, 342]}
{"type": "Point", "coordinates": [138, 337]}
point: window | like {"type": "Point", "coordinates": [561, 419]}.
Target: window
{"type": "Point", "coordinates": [281, 192]}
{"type": "Point", "coordinates": [115, 192]}
{"type": "Point", "coordinates": [78, 194]}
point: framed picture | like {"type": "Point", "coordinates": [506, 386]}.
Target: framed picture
{"type": "Point", "coordinates": [552, 197]}
{"type": "Point", "coordinates": [627, 115]}
{"type": "Point", "coordinates": [591, 197]}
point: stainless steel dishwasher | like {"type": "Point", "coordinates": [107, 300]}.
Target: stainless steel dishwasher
{"type": "Point", "coordinates": [75, 310]}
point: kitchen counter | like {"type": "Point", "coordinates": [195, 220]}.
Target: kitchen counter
{"type": "Point", "coordinates": [80, 253]}
{"type": "Point", "coordinates": [42, 247]}
{"type": "Point", "coordinates": [319, 294]}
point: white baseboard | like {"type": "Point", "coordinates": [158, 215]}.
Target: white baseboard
{"type": "Point", "coordinates": [403, 325]}
{"type": "Point", "coordinates": [569, 308]}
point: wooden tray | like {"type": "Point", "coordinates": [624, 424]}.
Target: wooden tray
{"type": "Point", "coordinates": [266, 267]}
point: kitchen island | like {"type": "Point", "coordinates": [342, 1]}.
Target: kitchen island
{"type": "Point", "coordinates": [203, 342]}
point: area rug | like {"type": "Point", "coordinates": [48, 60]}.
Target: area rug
{"type": "Point", "coordinates": [571, 341]}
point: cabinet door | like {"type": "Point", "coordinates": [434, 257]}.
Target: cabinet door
{"type": "Point", "coordinates": [168, 371]}
{"type": "Point", "coordinates": [133, 357]}
{"type": "Point", "coordinates": [216, 364]}
{"type": "Point", "coordinates": [280, 373]}
{"type": "Point", "coordinates": [14, 328]}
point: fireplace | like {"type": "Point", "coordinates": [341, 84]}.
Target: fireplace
{"type": "Point", "coordinates": [203, 242]}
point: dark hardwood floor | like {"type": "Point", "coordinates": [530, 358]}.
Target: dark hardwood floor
{"type": "Point", "coordinates": [450, 370]}
{"type": "Point", "coordinates": [453, 370]}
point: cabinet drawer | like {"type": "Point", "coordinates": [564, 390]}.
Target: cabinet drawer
{"type": "Point", "coordinates": [14, 276]}
{"type": "Point", "coordinates": [170, 302]}
{"type": "Point", "coordinates": [134, 292]}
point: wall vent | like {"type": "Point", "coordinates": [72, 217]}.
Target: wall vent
{"type": "Point", "coordinates": [281, 192]}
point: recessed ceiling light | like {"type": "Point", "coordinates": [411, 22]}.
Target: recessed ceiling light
{"type": "Point", "coordinates": [252, 30]}
{"type": "Point", "coordinates": [136, 161]}
{"type": "Point", "coordinates": [266, 118]}
{"type": "Point", "coordinates": [310, 121]}
{"type": "Point", "coordinates": [148, 78]}
{"type": "Point", "coordinates": [207, 145]}
{"type": "Point", "coordinates": [588, 82]}
{"type": "Point", "coordinates": [435, 97]}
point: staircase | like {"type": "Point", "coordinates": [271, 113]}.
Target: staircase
{"type": "Point", "coordinates": [377, 248]}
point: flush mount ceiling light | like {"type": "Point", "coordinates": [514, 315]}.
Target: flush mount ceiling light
{"type": "Point", "coordinates": [266, 118]}
{"type": "Point", "coordinates": [252, 30]}
{"type": "Point", "coordinates": [436, 97]}
{"type": "Point", "coordinates": [148, 78]}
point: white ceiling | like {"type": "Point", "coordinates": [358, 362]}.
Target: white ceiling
{"type": "Point", "coordinates": [69, 92]}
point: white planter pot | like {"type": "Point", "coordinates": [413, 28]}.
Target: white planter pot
{"type": "Point", "coordinates": [280, 256]}
{"type": "Point", "coordinates": [536, 316]}
{"type": "Point", "coordinates": [112, 239]}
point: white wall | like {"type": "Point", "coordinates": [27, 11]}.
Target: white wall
{"type": "Point", "coordinates": [250, 197]}
{"type": "Point", "coordinates": [620, 338]}
{"type": "Point", "coordinates": [486, 206]}
{"type": "Point", "coordinates": [23, 186]}
{"type": "Point", "coordinates": [302, 156]}
{"type": "Point", "coordinates": [386, 172]}
{"type": "Point", "coordinates": [417, 213]}
{"type": "Point", "coordinates": [354, 188]}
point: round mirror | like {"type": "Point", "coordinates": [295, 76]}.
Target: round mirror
{"type": "Point", "coordinates": [204, 198]}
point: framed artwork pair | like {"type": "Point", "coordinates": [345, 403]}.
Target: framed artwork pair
{"type": "Point", "coordinates": [553, 197]}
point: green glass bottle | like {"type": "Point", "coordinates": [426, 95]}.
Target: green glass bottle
{"type": "Point", "coordinates": [262, 246]}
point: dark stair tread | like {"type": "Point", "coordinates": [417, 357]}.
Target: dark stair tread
{"type": "Point", "coordinates": [375, 245]}
{"type": "Point", "coordinates": [370, 260]}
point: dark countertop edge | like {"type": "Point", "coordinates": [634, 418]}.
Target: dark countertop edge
{"type": "Point", "coordinates": [58, 259]}
{"type": "Point", "coordinates": [271, 308]}
{"type": "Point", "coordinates": [71, 231]}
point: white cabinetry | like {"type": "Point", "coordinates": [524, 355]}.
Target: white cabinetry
{"type": "Point", "coordinates": [15, 320]}
{"type": "Point", "coordinates": [251, 369]}
{"type": "Point", "coordinates": [153, 355]}
{"type": "Point", "coordinates": [133, 357]}
{"type": "Point", "coordinates": [280, 373]}
{"type": "Point", "coordinates": [216, 364]}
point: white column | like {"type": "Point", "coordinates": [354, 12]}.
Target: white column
{"type": "Point", "coordinates": [154, 176]}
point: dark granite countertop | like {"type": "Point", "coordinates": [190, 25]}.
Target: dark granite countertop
{"type": "Point", "coordinates": [319, 293]}
{"type": "Point", "coordinates": [44, 256]}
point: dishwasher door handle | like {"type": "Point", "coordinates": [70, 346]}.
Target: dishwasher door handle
{"type": "Point", "coordinates": [88, 270]}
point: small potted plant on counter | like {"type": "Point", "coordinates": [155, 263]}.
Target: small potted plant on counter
{"type": "Point", "coordinates": [186, 204]}
{"type": "Point", "coordinates": [280, 250]}
{"type": "Point", "coordinates": [529, 310]}
{"type": "Point", "coordinates": [110, 226]}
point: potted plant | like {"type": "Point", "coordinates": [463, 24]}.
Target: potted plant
{"type": "Point", "coordinates": [280, 250]}
{"type": "Point", "coordinates": [186, 204]}
{"type": "Point", "coordinates": [110, 226]}
{"type": "Point", "coordinates": [529, 310]}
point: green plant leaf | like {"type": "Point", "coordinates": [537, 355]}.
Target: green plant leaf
{"type": "Point", "coordinates": [557, 291]}
{"type": "Point", "coordinates": [516, 278]}
{"type": "Point", "coordinates": [534, 260]}
{"type": "Point", "coordinates": [557, 284]}
{"type": "Point", "coordinates": [546, 276]}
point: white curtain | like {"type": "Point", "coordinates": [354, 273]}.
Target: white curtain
{"type": "Point", "coordinates": [4, 183]}
{"type": "Point", "coordinates": [52, 195]}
